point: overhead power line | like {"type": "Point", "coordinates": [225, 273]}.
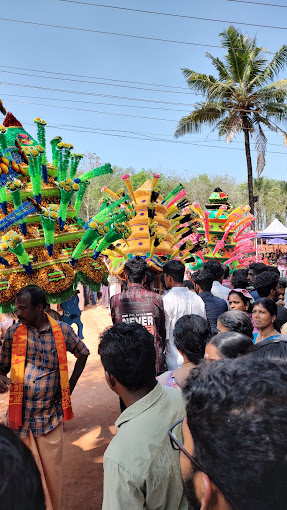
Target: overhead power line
{"type": "Point", "coordinates": [98, 111]}
{"type": "Point", "coordinates": [90, 30]}
{"type": "Point", "coordinates": [96, 82]}
{"type": "Point", "coordinates": [97, 94]}
{"type": "Point", "coordinates": [257, 3]}
{"type": "Point", "coordinates": [123, 97]}
{"type": "Point", "coordinates": [84, 129]}
{"type": "Point", "coordinates": [152, 135]}
{"type": "Point", "coordinates": [107, 113]}
{"type": "Point", "coordinates": [94, 77]}
{"type": "Point", "coordinates": [93, 102]}
{"type": "Point", "coordinates": [133, 36]}
{"type": "Point", "coordinates": [173, 15]}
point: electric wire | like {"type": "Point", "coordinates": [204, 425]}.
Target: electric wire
{"type": "Point", "coordinates": [125, 98]}
{"type": "Point", "coordinates": [257, 3]}
{"type": "Point", "coordinates": [93, 77]}
{"type": "Point", "coordinates": [95, 82]}
{"type": "Point", "coordinates": [108, 113]}
{"type": "Point", "coordinates": [118, 34]}
{"type": "Point", "coordinates": [90, 102]}
{"type": "Point", "coordinates": [85, 93]}
{"type": "Point", "coordinates": [85, 129]}
{"type": "Point", "coordinates": [173, 15]}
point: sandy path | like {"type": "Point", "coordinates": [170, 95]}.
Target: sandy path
{"type": "Point", "coordinates": [86, 437]}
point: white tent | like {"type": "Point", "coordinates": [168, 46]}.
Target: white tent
{"type": "Point", "coordinates": [276, 230]}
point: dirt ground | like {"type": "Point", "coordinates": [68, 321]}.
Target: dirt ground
{"type": "Point", "coordinates": [86, 437]}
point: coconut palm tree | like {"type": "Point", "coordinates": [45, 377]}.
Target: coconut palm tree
{"type": "Point", "coordinates": [244, 97]}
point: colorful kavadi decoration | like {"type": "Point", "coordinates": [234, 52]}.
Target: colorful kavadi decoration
{"type": "Point", "coordinates": [225, 230]}
{"type": "Point", "coordinates": [161, 228]}
{"type": "Point", "coordinates": [42, 239]}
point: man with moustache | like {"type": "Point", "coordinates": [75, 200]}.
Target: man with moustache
{"type": "Point", "coordinates": [233, 455]}
{"type": "Point", "coordinates": [34, 349]}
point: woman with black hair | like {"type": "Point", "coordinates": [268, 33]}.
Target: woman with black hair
{"type": "Point", "coordinates": [240, 299]}
{"type": "Point", "coordinates": [274, 349]}
{"type": "Point", "coordinates": [235, 320]}
{"type": "Point", "coordinates": [227, 345]}
{"type": "Point", "coordinates": [191, 333]}
{"type": "Point", "coordinates": [264, 314]}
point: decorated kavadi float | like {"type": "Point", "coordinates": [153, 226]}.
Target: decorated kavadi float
{"type": "Point", "coordinates": [44, 242]}
{"type": "Point", "coordinates": [42, 239]}
{"type": "Point", "coordinates": [228, 233]}
{"type": "Point", "coordinates": [172, 227]}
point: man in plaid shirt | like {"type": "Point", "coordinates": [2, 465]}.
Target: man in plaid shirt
{"type": "Point", "coordinates": [137, 304]}
{"type": "Point", "coordinates": [42, 413]}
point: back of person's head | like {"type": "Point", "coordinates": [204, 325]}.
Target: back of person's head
{"type": "Point", "coordinates": [239, 279]}
{"type": "Point", "coordinates": [204, 279]}
{"type": "Point", "coordinates": [191, 333]}
{"type": "Point", "coordinates": [162, 281]}
{"type": "Point", "coordinates": [236, 320]}
{"type": "Point", "coordinates": [150, 278]}
{"type": "Point", "coordinates": [267, 303]}
{"type": "Point", "coordinates": [274, 270]}
{"type": "Point", "coordinates": [189, 284]}
{"type": "Point", "coordinates": [226, 271]}
{"type": "Point", "coordinates": [136, 269]}
{"type": "Point", "coordinates": [175, 269]}
{"type": "Point", "coordinates": [20, 481]}
{"type": "Point", "coordinates": [275, 349]}
{"type": "Point", "coordinates": [128, 354]}
{"type": "Point", "coordinates": [232, 344]}
{"type": "Point", "coordinates": [36, 294]}
{"type": "Point", "coordinates": [215, 268]}
{"type": "Point", "coordinates": [265, 282]}
{"type": "Point", "coordinates": [257, 267]}
{"type": "Point", "coordinates": [245, 456]}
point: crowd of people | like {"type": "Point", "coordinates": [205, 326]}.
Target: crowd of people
{"type": "Point", "coordinates": [200, 372]}
{"type": "Point", "coordinates": [277, 257]}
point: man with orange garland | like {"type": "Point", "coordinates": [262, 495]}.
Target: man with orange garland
{"type": "Point", "coordinates": [34, 350]}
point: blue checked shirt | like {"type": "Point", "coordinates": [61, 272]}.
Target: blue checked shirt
{"type": "Point", "coordinates": [41, 413]}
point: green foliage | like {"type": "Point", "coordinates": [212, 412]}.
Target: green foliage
{"type": "Point", "coordinates": [242, 98]}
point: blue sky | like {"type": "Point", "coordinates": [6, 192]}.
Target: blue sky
{"type": "Point", "coordinates": [134, 127]}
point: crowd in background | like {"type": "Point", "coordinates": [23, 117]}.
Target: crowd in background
{"type": "Point", "coordinates": [198, 361]}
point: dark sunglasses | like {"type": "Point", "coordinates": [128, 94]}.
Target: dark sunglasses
{"type": "Point", "coordinates": [176, 445]}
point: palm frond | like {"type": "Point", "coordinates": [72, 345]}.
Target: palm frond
{"type": "Point", "coordinates": [230, 126]}
{"type": "Point", "coordinates": [222, 90]}
{"type": "Point", "coordinates": [204, 113]}
{"type": "Point", "coordinates": [277, 111]}
{"type": "Point", "coordinates": [255, 64]}
{"type": "Point", "coordinates": [220, 67]}
{"type": "Point", "coordinates": [277, 64]}
{"type": "Point", "coordinates": [238, 50]}
{"type": "Point", "coordinates": [198, 81]}
{"type": "Point", "coordinates": [260, 145]}
{"type": "Point", "coordinates": [284, 134]}
{"type": "Point", "coordinates": [276, 91]}
{"type": "Point", "coordinates": [257, 119]}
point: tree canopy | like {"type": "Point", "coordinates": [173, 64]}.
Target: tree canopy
{"type": "Point", "coordinates": [242, 97]}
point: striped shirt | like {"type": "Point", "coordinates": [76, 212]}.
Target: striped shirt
{"type": "Point", "coordinates": [41, 413]}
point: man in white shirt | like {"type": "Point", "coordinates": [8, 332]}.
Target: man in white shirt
{"type": "Point", "coordinates": [179, 301]}
{"type": "Point", "coordinates": [216, 269]}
